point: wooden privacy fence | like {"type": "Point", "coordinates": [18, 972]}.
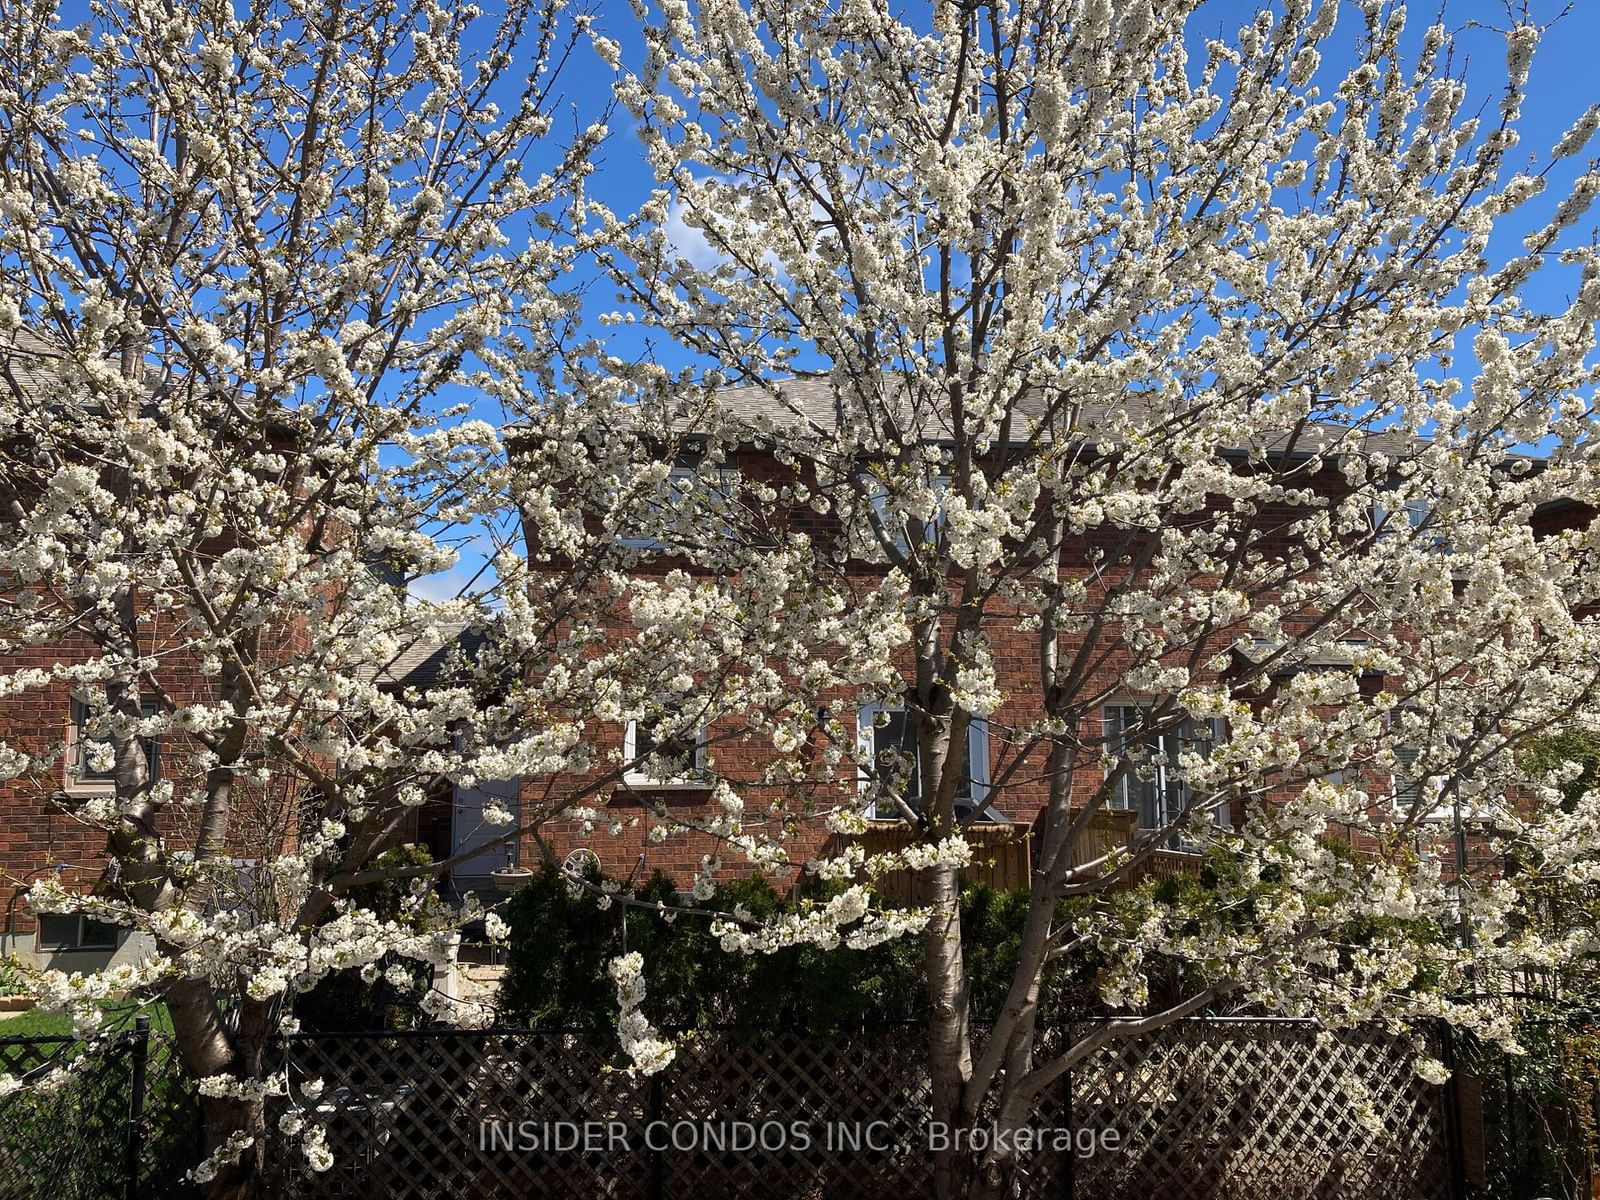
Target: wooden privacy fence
{"type": "Point", "coordinates": [1204, 1110]}
{"type": "Point", "coordinates": [1000, 856]}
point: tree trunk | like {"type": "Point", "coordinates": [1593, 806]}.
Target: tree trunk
{"type": "Point", "coordinates": [994, 1170]}
{"type": "Point", "coordinates": [209, 1048]}
{"type": "Point", "coordinates": [224, 1117]}
{"type": "Point", "coordinates": [994, 1178]}
{"type": "Point", "coordinates": [949, 1053]}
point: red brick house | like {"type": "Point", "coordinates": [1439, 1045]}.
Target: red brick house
{"type": "Point", "coordinates": [39, 832]}
{"type": "Point", "coordinates": [42, 827]}
{"type": "Point", "coordinates": [1004, 811]}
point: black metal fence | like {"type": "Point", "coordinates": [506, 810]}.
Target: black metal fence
{"type": "Point", "coordinates": [111, 1121]}
{"type": "Point", "coordinates": [1529, 1120]}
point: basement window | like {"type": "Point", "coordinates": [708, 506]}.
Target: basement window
{"type": "Point", "coordinates": [74, 931]}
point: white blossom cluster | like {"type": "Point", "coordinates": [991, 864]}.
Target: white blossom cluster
{"type": "Point", "coordinates": [846, 919]}
{"type": "Point", "coordinates": [649, 1053]}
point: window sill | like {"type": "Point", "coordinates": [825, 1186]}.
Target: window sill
{"type": "Point", "coordinates": [1441, 814]}
{"type": "Point", "coordinates": [83, 789]}
{"type": "Point", "coordinates": [641, 783]}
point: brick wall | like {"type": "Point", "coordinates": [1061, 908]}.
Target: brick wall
{"type": "Point", "coordinates": [1016, 658]}
{"type": "Point", "coordinates": [40, 831]}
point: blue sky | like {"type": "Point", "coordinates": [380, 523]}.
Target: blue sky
{"type": "Point", "coordinates": [1563, 84]}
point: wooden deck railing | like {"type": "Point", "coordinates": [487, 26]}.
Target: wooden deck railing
{"type": "Point", "coordinates": [1112, 829]}
{"type": "Point", "coordinates": [1002, 853]}
{"type": "Point", "coordinates": [1169, 864]}
{"type": "Point", "coordinates": [1001, 856]}
{"type": "Point", "coordinates": [1108, 829]}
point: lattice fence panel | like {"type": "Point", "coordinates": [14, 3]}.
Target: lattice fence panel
{"type": "Point", "coordinates": [415, 1118]}
{"type": "Point", "coordinates": [171, 1132]}
{"type": "Point", "coordinates": [861, 1103]}
{"type": "Point", "coordinates": [1049, 1171]}
{"type": "Point", "coordinates": [1239, 1110]}
{"type": "Point", "coordinates": [1231, 1110]}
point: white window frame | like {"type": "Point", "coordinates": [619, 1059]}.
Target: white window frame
{"type": "Point", "coordinates": [1121, 801]}
{"type": "Point", "coordinates": [1405, 810]}
{"type": "Point", "coordinates": [977, 760]}
{"type": "Point", "coordinates": [724, 472]}
{"type": "Point", "coordinates": [634, 777]}
{"type": "Point", "coordinates": [75, 781]}
{"type": "Point", "coordinates": [1417, 512]}
{"type": "Point", "coordinates": [878, 498]}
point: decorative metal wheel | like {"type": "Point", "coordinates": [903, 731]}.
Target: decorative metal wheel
{"type": "Point", "coordinates": [576, 865]}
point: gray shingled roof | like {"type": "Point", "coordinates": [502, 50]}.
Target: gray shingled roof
{"type": "Point", "coordinates": [28, 361]}
{"type": "Point", "coordinates": [425, 660]}
{"type": "Point", "coordinates": [808, 396]}
{"type": "Point", "coordinates": [31, 363]}
{"type": "Point", "coordinates": [811, 399]}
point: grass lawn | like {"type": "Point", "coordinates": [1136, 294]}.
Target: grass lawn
{"type": "Point", "coordinates": [34, 1023]}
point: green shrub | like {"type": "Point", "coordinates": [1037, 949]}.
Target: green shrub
{"type": "Point", "coordinates": [343, 1000]}
{"type": "Point", "coordinates": [562, 940]}
{"type": "Point", "coordinates": [14, 979]}
{"type": "Point", "coordinates": [558, 948]}
{"type": "Point", "coordinates": [1570, 745]}
{"type": "Point", "coordinates": [1559, 901]}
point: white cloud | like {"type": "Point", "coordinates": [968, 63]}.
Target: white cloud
{"type": "Point", "coordinates": [690, 243]}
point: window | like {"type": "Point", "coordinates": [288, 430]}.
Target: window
{"type": "Point", "coordinates": [87, 770]}
{"type": "Point", "coordinates": [74, 931]}
{"type": "Point", "coordinates": [689, 486]}
{"type": "Point", "coordinates": [888, 742]}
{"type": "Point", "coordinates": [1409, 783]}
{"type": "Point", "coordinates": [1341, 656]}
{"type": "Point", "coordinates": [1419, 519]}
{"type": "Point", "coordinates": [1153, 784]}
{"type": "Point", "coordinates": [680, 758]}
{"type": "Point", "coordinates": [894, 525]}
{"type": "Point", "coordinates": [233, 885]}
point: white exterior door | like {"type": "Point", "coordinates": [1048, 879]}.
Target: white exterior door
{"type": "Point", "coordinates": [470, 832]}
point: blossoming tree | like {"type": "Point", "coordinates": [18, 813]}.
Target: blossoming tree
{"type": "Point", "coordinates": [1200, 371]}
{"type": "Point", "coordinates": [1144, 364]}
{"type": "Point", "coordinates": [250, 260]}
{"type": "Point", "coordinates": [247, 259]}
{"type": "Point", "coordinates": [257, 268]}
